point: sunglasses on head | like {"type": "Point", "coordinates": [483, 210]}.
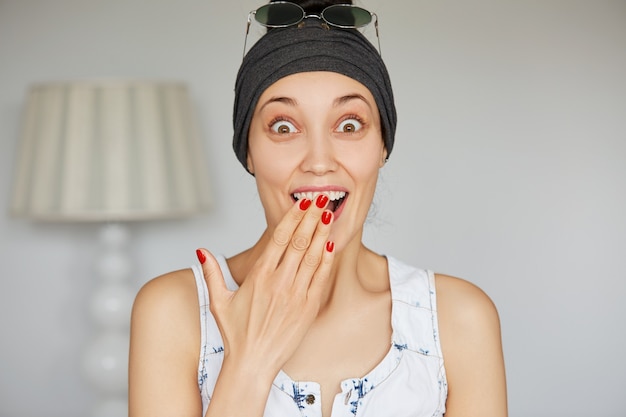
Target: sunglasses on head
{"type": "Point", "coordinates": [282, 14]}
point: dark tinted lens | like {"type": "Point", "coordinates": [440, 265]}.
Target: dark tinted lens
{"type": "Point", "coordinates": [279, 14]}
{"type": "Point", "coordinates": [346, 16]}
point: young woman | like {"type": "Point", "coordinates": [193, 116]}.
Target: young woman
{"type": "Point", "coordinates": [308, 321]}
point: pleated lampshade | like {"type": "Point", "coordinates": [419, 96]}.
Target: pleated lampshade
{"type": "Point", "coordinates": [109, 151]}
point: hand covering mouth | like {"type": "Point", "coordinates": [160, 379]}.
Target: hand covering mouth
{"type": "Point", "coordinates": [336, 198]}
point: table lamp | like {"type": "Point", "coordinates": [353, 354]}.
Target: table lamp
{"type": "Point", "coordinates": [110, 152]}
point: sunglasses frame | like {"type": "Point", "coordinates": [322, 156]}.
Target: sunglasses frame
{"type": "Point", "coordinates": [253, 13]}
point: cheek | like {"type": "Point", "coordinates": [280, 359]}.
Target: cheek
{"type": "Point", "coordinates": [266, 157]}
{"type": "Point", "coordinates": [271, 174]}
{"type": "Point", "coordinates": [269, 165]}
{"type": "Point", "coordinates": [364, 160]}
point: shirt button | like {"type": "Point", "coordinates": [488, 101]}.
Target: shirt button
{"type": "Point", "coordinates": [310, 399]}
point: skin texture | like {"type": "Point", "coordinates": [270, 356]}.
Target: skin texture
{"type": "Point", "coordinates": [310, 132]}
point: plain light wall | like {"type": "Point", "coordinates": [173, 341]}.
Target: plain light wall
{"type": "Point", "coordinates": [509, 170]}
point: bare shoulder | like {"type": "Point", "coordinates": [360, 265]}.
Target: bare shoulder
{"type": "Point", "coordinates": [174, 290]}
{"type": "Point", "coordinates": [165, 347]}
{"type": "Point", "coordinates": [180, 282]}
{"type": "Point", "coordinates": [167, 306]}
{"type": "Point", "coordinates": [467, 317]}
{"type": "Point", "coordinates": [461, 303]}
{"type": "Point", "coordinates": [469, 329]}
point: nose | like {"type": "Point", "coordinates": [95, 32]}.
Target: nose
{"type": "Point", "coordinates": [320, 157]}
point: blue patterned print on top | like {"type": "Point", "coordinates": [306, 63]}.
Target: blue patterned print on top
{"type": "Point", "coordinates": [400, 347]}
{"type": "Point", "coordinates": [298, 395]}
{"type": "Point", "coordinates": [361, 387]}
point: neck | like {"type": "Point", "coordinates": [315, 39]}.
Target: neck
{"type": "Point", "coordinates": [355, 268]}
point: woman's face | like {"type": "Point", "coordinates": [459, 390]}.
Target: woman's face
{"type": "Point", "coordinates": [317, 132]}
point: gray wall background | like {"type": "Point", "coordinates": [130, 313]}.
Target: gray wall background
{"type": "Point", "coordinates": [509, 171]}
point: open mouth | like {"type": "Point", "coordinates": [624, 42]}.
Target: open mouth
{"type": "Point", "coordinates": [336, 198]}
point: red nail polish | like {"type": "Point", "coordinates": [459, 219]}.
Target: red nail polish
{"type": "Point", "coordinates": [321, 201]}
{"type": "Point", "coordinates": [200, 256]}
{"type": "Point", "coordinates": [304, 204]}
{"type": "Point", "coordinates": [327, 216]}
{"type": "Point", "coordinates": [330, 246]}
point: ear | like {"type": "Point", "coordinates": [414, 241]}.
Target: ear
{"type": "Point", "coordinates": [383, 157]}
{"type": "Point", "coordinates": [249, 164]}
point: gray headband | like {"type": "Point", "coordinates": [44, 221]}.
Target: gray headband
{"type": "Point", "coordinates": [310, 47]}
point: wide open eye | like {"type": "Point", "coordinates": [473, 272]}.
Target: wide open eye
{"type": "Point", "coordinates": [283, 127]}
{"type": "Point", "coordinates": [350, 125]}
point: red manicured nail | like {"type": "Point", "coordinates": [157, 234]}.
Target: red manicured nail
{"type": "Point", "coordinates": [321, 201]}
{"type": "Point", "coordinates": [327, 216]}
{"type": "Point", "coordinates": [304, 204]}
{"type": "Point", "coordinates": [330, 246]}
{"type": "Point", "coordinates": [200, 256]}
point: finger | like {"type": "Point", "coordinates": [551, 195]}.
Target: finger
{"type": "Point", "coordinates": [282, 234]}
{"type": "Point", "coordinates": [213, 276]}
{"type": "Point", "coordinates": [322, 273]}
{"type": "Point", "coordinates": [304, 234]}
{"type": "Point", "coordinates": [313, 256]}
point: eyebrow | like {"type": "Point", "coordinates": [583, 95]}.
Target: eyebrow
{"type": "Point", "coordinates": [347, 98]}
{"type": "Point", "coordinates": [285, 100]}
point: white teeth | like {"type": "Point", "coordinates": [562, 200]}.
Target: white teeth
{"type": "Point", "coordinates": [332, 195]}
{"type": "Point", "coordinates": [336, 195]}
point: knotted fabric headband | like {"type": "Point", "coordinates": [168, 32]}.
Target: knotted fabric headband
{"type": "Point", "coordinates": [309, 47]}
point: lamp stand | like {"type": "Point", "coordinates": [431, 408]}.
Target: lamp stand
{"type": "Point", "coordinates": [105, 360]}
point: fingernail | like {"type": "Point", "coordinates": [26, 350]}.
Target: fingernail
{"type": "Point", "coordinates": [304, 204]}
{"type": "Point", "coordinates": [327, 216]}
{"type": "Point", "coordinates": [321, 201]}
{"type": "Point", "coordinates": [330, 246]}
{"type": "Point", "coordinates": [201, 256]}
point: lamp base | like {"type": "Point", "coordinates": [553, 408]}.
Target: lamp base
{"type": "Point", "coordinates": [105, 360]}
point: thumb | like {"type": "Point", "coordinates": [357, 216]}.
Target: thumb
{"type": "Point", "coordinates": [212, 275]}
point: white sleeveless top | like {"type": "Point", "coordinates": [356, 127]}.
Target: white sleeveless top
{"type": "Point", "coordinates": [409, 381]}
